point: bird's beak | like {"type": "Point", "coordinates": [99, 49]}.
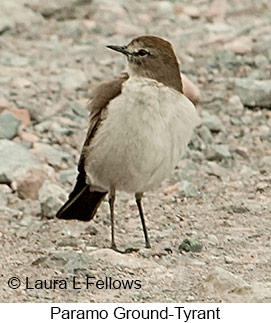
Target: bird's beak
{"type": "Point", "coordinates": [121, 49]}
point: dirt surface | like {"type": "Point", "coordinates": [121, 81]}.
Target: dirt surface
{"type": "Point", "coordinates": [219, 198]}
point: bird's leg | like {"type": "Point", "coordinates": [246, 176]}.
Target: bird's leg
{"type": "Point", "coordinates": [111, 204]}
{"type": "Point", "coordinates": [138, 197]}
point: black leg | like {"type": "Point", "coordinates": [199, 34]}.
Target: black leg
{"type": "Point", "coordinates": [111, 204]}
{"type": "Point", "coordinates": [138, 197]}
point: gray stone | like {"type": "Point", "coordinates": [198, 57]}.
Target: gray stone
{"type": "Point", "coordinates": [187, 189]}
{"type": "Point", "coordinates": [3, 199]}
{"type": "Point", "coordinates": [68, 176]}
{"type": "Point", "coordinates": [218, 152]}
{"type": "Point", "coordinates": [190, 244]}
{"type": "Point", "coordinates": [253, 92]}
{"type": "Point", "coordinates": [72, 79]}
{"type": "Point", "coordinates": [8, 126]}
{"type": "Point", "coordinates": [213, 123]}
{"type": "Point", "coordinates": [220, 282]}
{"type": "Point", "coordinates": [212, 240]}
{"type": "Point", "coordinates": [217, 170]}
{"type": "Point", "coordinates": [72, 261]}
{"type": "Point", "coordinates": [261, 61]}
{"type": "Point", "coordinates": [51, 155]}
{"type": "Point", "coordinates": [14, 157]}
{"type": "Point", "coordinates": [51, 198]}
{"type": "Point", "coordinates": [15, 12]}
{"type": "Point", "coordinates": [205, 134]}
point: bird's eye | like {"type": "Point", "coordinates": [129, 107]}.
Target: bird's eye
{"type": "Point", "coordinates": [142, 52]}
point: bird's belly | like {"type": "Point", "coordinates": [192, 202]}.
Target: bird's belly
{"type": "Point", "coordinates": [131, 157]}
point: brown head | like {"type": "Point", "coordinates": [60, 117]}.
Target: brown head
{"type": "Point", "coordinates": [152, 57]}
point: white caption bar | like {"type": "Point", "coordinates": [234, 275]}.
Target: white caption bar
{"type": "Point", "coordinates": [139, 312]}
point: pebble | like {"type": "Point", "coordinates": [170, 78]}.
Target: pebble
{"type": "Point", "coordinates": [50, 154]}
{"type": "Point", "coordinates": [51, 198]}
{"type": "Point", "coordinates": [72, 79]}
{"type": "Point", "coordinates": [212, 240]}
{"type": "Point", "coordinates": [221, 282]}
{"type": "Point", "coordinates": [205, 134]}
{"type": "Point", "coordinates": [14, 157]}
{"type": "Point", "coordinates": [21, 83]}
{"type": "Point", "coordinates": [190, 244]}
{"type": "Point", "coordinates": [261, 61]}
{"type": "Point", "coordinates": [21, 114]}
{"type": "Point", "coordinates": [3, 199]}
{"type": "Point", "coordinates": [253, 93]}
{"type": "Point", "coordinates": [217, 170]}
{"type": "Point", "coordinates": [241, 45]}
{"type": "Point", "coordinates": [218, 152]}
{"type": "Point", "coordinates": [235, 106]}
{"type": "Point", "coordinates": [9, 126]}
{"type": "Point", "coordinates": [213, 123]}
{"type": "Point", "coordinates": [68, 176]}
{"type": "Point", "coordinates": [29, 184]}
{"type": "Point", "coordinates": [186, 189]}
{"type": "Point", "coordinates": [190, 90]}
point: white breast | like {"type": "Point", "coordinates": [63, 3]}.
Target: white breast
{"type": "Point", "coordinates": [142, 139]}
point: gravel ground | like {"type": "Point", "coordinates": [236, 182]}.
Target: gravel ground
{"type": "Point", "coordinates": [209, 224]}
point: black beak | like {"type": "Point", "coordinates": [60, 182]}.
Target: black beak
{"type": "Point", "coordinates": [121, 49]}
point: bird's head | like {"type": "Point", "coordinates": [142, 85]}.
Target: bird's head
{"type": "Point", "coordinates": [152, 57]}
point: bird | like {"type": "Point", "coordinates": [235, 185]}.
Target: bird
{"type": "Point", "coordinates": [139, 126]}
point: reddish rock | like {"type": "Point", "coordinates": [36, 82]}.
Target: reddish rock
{"type": "Point", "coordinates": [190, 89]}
{"type": "Point", "coordinates": [28, 136]}
{"type": "Point", "coordinates": [240, 45]}
{"type": "Point", "coordinates": [20, 83]}
{"type": "Point", "coordinates": [22, 114]}
{"type": "Point", "coordinates": [29, 184]}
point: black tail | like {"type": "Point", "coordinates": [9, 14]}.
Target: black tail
{"type": "Point", "coordinates": [82, 203]}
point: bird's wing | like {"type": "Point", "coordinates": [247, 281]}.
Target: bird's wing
{"type": "Point", "coordinates": [83, 203]}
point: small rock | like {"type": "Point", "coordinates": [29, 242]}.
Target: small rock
{"type": "Point", "coordinates": [186, 189]}
{"type": "Point", "coordinates": [51, 198]}
{"type": "Point", "coordinates": [22, 114]}
{"type": "Point", "coordinates": [190, 244]}
{"type": "Point", "coordinates": [14, 156]}
{"type": "Point", "coordinates": [72, 79]}
{"type": "Point", "coordinates": [29, 137]}
{"type": "Point", "coordinates": [8, 126]}
{"type": "Point", "coordinates": [3, 199]}
{"type": "Point", "coordinates": [73, 261]}
{"type": "Point", "coordinates": [190, 10]}
{"type": "Point", "coordinates": [49, 154]}
{"type": "Point", "coordinates": [223, 283]}
{"type": "Point", "coordinates": [4, 104]}
{"type": "Point", "coordinates": [21, 83]}
{"type": "Point", "coordinates": [242, 151]}
{"type": "Point", "coordinates": [190, 90]}
{"type": "Point", "coordinates": [68, 176]}
{"type": "Point", "coordinates": [212, 240]}
{"type": "Point", "coordinates": [253, 93]}
{"type": "Point", "coordinates": [217, 170]}
{"type": "Point", "coordinates": [229, 260]}
{"type": "Point", "coordinates": [261, 61]}
{"type": "Point", "coordinates": [165, 7]}
{"type": "Point", "coordinates": [205, 134]}
{"type": "Point", "coordinates": [218, 152]}
{"type": "Point", "coordinates": [91, 230]}
{"type": "Point", "coordinates": [240, 45]}
{"type": "Point", "coordinates": [171, 189]}
{"type": "Point", "coordinates": [29, 184]}
{"type": "Point", "coordinates": [235, 106]}
{"type": "Point", "coordinates": [213, 123]}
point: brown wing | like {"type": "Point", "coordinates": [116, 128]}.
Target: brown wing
{"type": "Point", "coordinates": [83, 203]}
